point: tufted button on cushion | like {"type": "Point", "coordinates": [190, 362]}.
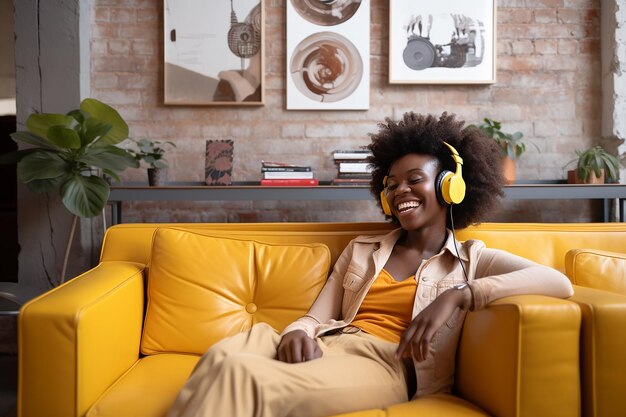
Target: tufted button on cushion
{"type": "Point", "coordinates": [198, 284]}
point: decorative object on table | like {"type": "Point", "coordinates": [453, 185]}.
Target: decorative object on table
{"type": "Point", "coordinates": [352, 167]}
{"type": "Point", "coordinates": [214, 52]}
{"type": "Point", "coordinates": [328, 50]}
{"type": "Point", "coordinates": [283, 174]}
{"type": "Point", "coordinates": [219, 162]}
{"type": "Point", "coordinates": [443, 42]}
{"type": "Point", "coordinates": [72, 153]}
{"type": "Point", "coordinates": [511, 146]}
{"type": "Point", "coordinates": [152, 152]}
{"type": "Point", "coordinates": [593, 166]}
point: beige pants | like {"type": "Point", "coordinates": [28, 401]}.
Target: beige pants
{"type": "Point", "coordinates": [239, 377]}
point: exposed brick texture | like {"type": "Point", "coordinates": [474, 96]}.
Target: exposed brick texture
{"type": "Point", "coordinates": [548, 86]}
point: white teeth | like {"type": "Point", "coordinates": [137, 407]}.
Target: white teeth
{"type": "Point", "coordinates": [407, 205]}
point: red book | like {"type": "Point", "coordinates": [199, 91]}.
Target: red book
{"type": "Point", "coordinates": [290, 182]}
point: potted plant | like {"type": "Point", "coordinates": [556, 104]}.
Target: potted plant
{"type": "Point", "coordinates": [70, 155]}
{"type": "Point", "coordinates": [511, 146]}
{"type": "Point", "coordinates": [153, 153]}
{"type": "Point", "coordinates": [593, 166]}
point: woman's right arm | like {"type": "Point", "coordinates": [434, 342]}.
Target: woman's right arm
{"type": "Point", "coordinates": [298, 339]}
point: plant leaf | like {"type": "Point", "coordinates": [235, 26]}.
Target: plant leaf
{"type": "Point", "coordinates": [106, 113]}
{"type": "Point", "coordinates": [15, 156]}
{"type": "Point", "coordinates": [78, 115]}
{"type": "Point", "coordinates": [85, 196]}
{"type": "Point", "coordinates": [112, 174]}
{"type": "Point", "coordinates": [109, 157]}
{"type": "Point", "coordinates": [94, 130]}
{"type": "Point", "coordinates": [64, 137]}
{"type": "Point", "coordinates": [33, 139]}
{"type": "Point", "coordinates": [40, 123]}
{"type": "Point", "coordinates": [45, 186]}
{"type": "Point", "coordinates": [41, 165]}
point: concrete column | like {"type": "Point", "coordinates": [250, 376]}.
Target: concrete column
{"type": "Point", "coordinates": [613, 41]}
{"type": "Point", "coordinates": [52, 76]}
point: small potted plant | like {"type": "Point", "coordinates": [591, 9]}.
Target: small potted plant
{"type": "Point", "coordinates": [594, 166]}
{"type": "Point", "coordinates": [153, 154]}
{"type": "Point", "coordinates": [511, 146]}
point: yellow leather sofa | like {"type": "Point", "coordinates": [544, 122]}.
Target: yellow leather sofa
{"type": "Point", "coordinates": [121, 339]}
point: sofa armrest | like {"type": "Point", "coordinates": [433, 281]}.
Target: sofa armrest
{"type": "Point", "coordinates": [77, 339]}
{"type": "Point", "coordinates": [599, 269]}
{"type": "Point", "coordinates": [603, 351]}
{"type": "Point", "coordinates": [519, 357]}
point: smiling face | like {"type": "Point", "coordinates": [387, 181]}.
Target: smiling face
{"type": "Point", "coordinates": [411, 192]}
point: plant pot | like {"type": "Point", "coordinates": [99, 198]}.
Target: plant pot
{"type": "Point", "coordinates": [157, 177]}
{"type": "Point", "coordinates": [572, 178]}
{"type": "Point", "coordinates": [508, 170]}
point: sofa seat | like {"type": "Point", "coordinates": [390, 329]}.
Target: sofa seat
{"type": "Point", "coordinates": [432, 406]}
{"type": "Point", "coordinates": [147, 389]}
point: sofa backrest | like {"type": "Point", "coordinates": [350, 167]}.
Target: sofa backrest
{"type": "Point", "coordinates": [545, 243]}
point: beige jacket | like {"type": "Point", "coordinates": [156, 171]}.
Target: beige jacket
{"type": "Point", "coordinates": [492, 274]}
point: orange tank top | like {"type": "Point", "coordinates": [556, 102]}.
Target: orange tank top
{"type": "Point", "coordinates": [387, 308]}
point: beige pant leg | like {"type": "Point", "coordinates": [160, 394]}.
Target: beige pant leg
{"type": "Point", "coordinates": [239, 377]}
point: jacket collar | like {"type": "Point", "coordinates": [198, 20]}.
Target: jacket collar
{"type": "Point", "coordinates": [391, 238]}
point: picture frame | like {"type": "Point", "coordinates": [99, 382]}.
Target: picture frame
{"type": "Point", "coordinates": [213, 52]}
{"type": "Point", "coordinates": [445, 42]}
{"type": "Point", "coordinates": [219, 162]}
{"type": "Point", "coordinates": [328, 55]}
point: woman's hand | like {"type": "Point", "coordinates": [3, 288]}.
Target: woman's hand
{"type": "Point", "coordinates": [424, 326]}
{"type": "Point", "coordinates": [296, 347]}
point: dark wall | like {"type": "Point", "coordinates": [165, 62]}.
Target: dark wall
{"type": "Point", "coordinates": [8, 204]}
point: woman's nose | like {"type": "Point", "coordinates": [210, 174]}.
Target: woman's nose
{"type": "Point", "coordinates": [403, 187]}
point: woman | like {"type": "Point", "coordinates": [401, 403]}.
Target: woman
{"type": "Point", "coordinates": [386, 325]}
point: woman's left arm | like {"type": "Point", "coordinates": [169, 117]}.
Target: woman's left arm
{"type": "Point", "coordinates": [502, 274]}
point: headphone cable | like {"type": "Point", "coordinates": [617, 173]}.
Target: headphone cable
{"type": "Point", "coordinates": [455, 246]}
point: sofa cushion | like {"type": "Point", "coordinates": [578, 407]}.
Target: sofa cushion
{"type": "Point", "coordinates": [599, 269]}
{"type": "Point", "coordinates": [203, 288]}
{"type": "Point", "coordinates": [149, 388]}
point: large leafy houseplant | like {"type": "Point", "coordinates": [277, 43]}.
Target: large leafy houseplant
{"type": "Point", "coordinates": [70, 154]}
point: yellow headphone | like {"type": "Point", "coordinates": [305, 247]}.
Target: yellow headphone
{"type": "Point", "coordinates": [449, 186]}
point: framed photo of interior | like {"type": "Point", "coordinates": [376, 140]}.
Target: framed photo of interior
{"type": "Point", "coordinates": [442, 42]}
{"type": "Point", "coordinates": [328, 49]}
{"type": "Point", "coordinates": [213, 52]}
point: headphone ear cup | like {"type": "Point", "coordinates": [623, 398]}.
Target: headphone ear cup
{"type": "Point", "coordinates": [442, 190]}
{"type": "Point", "coordinates": [384, 204]}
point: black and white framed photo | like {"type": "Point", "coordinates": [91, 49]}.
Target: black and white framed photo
{"type": "Point", "coordinates": [442, 42]}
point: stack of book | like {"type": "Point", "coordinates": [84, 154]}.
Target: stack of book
{"type": "Point", "coordinates": [352, 167]}
{"type": "Point", "coordinates": [279, 174]}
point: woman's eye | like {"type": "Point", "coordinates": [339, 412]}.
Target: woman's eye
{"type": "Point", "coordinates": [392, 187]}
{"type": "Point", "coordinates": [415, 180]}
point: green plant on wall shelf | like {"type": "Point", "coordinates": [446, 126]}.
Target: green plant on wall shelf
{"type": "Point", "coordinates": [511, 144]}
{"type": "Point", "coordinates": [151, 152]}
{"type": "Point", "coordinates": [70, 154]}
{"type": "Point", "coordinates": [594, 160]}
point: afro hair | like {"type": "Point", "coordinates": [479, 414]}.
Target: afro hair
{"type": "Point", "coordinates": [424, 134]}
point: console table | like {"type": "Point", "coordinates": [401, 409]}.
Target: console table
{"type": "Point", "coordinates": [250, 191]}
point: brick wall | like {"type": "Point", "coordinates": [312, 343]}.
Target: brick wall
{"type": "Point", "coordinates": [548, 87]}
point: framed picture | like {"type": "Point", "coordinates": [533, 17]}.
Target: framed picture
{"type": "Point", "coordinates": [443, 42]}
{"type": "Point", "coordinates": [219, 162]}
{"type": "Point", "coordinates": [213, 52]}
{"type": "Point", "coordinates": [328, 49]}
